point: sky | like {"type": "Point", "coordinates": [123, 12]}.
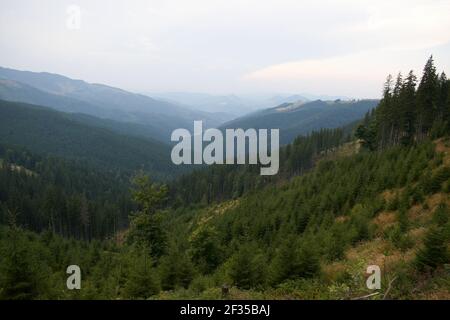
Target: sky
{"type": "Point", "coordinates": [344, 47]}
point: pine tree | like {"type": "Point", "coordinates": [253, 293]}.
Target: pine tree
{"type": "Point", "coordinates": [142, 282]}
{"type": "Point", "coordinates": [19, 271]}
{"type": "Point", "coordinates": [292, 262]}
{"type": "Point", "coordinates": [145, 225]}
{"type": "Point", "coordinates": [176, 269]}
{"type": "Point", "coordinates": [396, 110]}
{"type": "Point", "coordinates": [441, 215]}
{"type": "Point", "coordinates": [247, 268]}
{"type": "Point", "coordinates": [408, 108]}
{"type": "Point", "coordinates": [85, 217]}
{"type": "Point", "coordinates": [446, 114]}
{"type": "Point", "coordinates": [435, 252]}
{"type": "Point", "coordinates": [427, 94]}
{"type": "Point", "coordinates": [384, 114]}
{"type": "Point", "coordinates": [205, 249]}
{"type": "Point", "coordinates": [444, 88]}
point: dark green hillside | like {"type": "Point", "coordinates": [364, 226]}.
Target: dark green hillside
{"type": "Point", "coordinates": [301, 118]}
{"type": "Point", "coordinates": [311, 238]}
{"type": "Point", "coordinates": [219, 183]}
{"type": "Point", "coordinates": [45, 131]}
{"type": "Point", "coordinates": [336, 209]}
{"type": "Point", "coordinates": [70, 198]}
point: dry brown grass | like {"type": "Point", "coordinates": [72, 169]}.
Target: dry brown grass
{"type": "Point", "coordinates": [443, 146]}
{"type": "Point", "coordinates": [389, 195]}
{"type": "Point", "coordinates": [342, 219]}
{"type": "Point", "coordinates": [332, 270]}
{"type": "Point", "coordinates": [385, 219]}
{"type": "Point", "coordinates": [219, 209]}
{"type": "Point", "coordinates": [345, 150]}
{"type": "Point", "coordinates": [434, 200]}
{"type": "Point", "coordinates": [417, 212]}
{"type": "Point", "coordinates": [417, 235]}
{"type": "Point", "coordinates": [373, 252]}
{"type": "Point", "coordinates": [120, 237]}
{"type": "Point", "coordinates": [382, 252]}
{"type": "Point", "coordinates": [435, 295]}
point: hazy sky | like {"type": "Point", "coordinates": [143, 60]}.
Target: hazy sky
{"type": "Point", "coordinates": [230, 46]}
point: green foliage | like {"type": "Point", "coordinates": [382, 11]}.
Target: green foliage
{"type": "Point", "coordinates": [22, 275]}
{"type": "Point", "coordinates": [146, 232]}
{"type": "Point", "coordinates": [205, 249]}
{"type": "Point", "coordinates": [295, 119]}
{"type": "Point", "coordinates": [176, 270]}
{"type": "Point", "coordinates": [272, 238]}
{"type": "Point", "coordinates": [69, 198]}
{"type": "Point", "coordinates": [145, 225]}
{"type": "Point", "coordinates": [399, 238]}
{"type": "Point", "coordinates": [142, 282]}
{"type": "Point", "coordinates": [335, 244]}
{"type": "Point", "coordinates": [247, 268]}
{"type": "Point", "coordinates": [149, 196]}
{"type": "Point", "coordinates": [406, 114]}
{"type": "Point", "coordinates": [294, 260]}
{"type": "Point", "coordinates": [45, 131]}
{"type": "Point", "coordinates": [441, 215]}
{"type": "Point", "coordinates": [434, 252]}
{"type": "Point", "coordinates": [219, 183]}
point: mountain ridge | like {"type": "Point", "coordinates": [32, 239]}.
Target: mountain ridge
{"type": "Point", "coordinates": [304, 117]}
{"type": "Point", "coordinates": [99, 100]}
{"type": "Point", "coordinates": [43, 130]}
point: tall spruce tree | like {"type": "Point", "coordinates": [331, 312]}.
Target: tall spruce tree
{"type": "Point", "coordinates": [408, 107]}
{"type": "Point", "coordinates": [395, 114]}
{"type": "Point", "coordinates": [435, 252]}
{"type": "Point", "coordinates": [145, 225]}
{"type": "Point", "coordinates": [427, 102]}
{"type": "Point", "coordinates": [444, 101]}
{"type": "Point", "coordinates": [384, 113]}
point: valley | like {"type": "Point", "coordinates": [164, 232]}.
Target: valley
{"type": "Point", "coordinates": [360, 183]}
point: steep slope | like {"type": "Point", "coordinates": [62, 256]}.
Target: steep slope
{"type": "Point", "coordinates": [46, 131]}
{"type": "Point", "coordinates": [298, 118]}
{"type": "Point", "coordinates": [313, 237]}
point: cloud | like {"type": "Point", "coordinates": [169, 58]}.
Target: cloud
{"type": "Point", "coordinates": [224, 46]}
{"type": "Point", "coordinates": [393, 36]}
{"type": "Point", "coordinates": [356, 75]}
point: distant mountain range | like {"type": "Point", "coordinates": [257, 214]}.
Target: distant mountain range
{"type": "Point", "coordinates": [64, 94]}
{"type": "Point", "coordinates": [300, 117]}
{"type": "Point", "coordinates": [233, 106]}
{"type": "Point", "coordinates": [112, 127]}
{"type": "Point", "coordinates": [230, 106]}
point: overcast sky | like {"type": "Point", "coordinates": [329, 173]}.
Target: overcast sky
{"type": "Point", "coordinates": [230, 46]}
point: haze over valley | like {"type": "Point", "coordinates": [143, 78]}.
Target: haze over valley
{"type": "Point", "coordinates": [224, 150]}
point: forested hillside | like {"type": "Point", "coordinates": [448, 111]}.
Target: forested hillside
{"type": "Point", "coordinates": [300, 118]}
{"type": "Point", "coordinates": [43, 130]}
{"type": "Point", "coordinates": [69, 198]}
{"type": "Point", "coordinates": [218, 182]}
{"type": "Point", "coordinates": [335, 209]}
